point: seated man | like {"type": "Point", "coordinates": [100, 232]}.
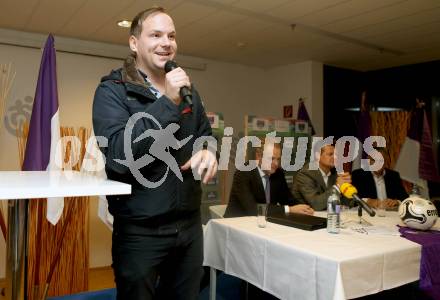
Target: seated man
{"type": "Point", "coordinates": [315, 186]}
{"type": "Point", "coordinates": [383, 184]}
{"type": "Point", "coordinates": [262, 186]}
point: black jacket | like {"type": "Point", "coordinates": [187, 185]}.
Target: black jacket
{"type": "Point", "coordinates": [248, 190]}
{"type": "Point", "coordinates": [120, 95]}
{"type": "Point", "coordinates": [364, 182]}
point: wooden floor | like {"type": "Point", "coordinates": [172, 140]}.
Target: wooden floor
{"type": "Point", "coordinates": [99, 278]}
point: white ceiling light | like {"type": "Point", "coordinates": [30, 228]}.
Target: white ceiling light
{"type": "Point", "coordinates": [124, 23]}
{"type": "Point", "coordinates": [241, 44]}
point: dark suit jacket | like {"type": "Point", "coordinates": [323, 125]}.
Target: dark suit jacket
{"type": "Point", "coordinates": [309, 187]}
{"type": "Point", "coordinates": [248, 190]}
{"type": "Point", "coordinates": [364, 182]}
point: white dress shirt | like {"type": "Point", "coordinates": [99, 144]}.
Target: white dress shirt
{"type": "Point", "coordinates": [262, 174]}
{"type": "Point", "coordinates": [325, 176]}
{"type": "Point", "coordinates": [379, 180]}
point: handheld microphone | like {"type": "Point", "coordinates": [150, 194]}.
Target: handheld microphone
{"type": "Point", "coordinates": [350, 192]}
{"type": "Point", "coordinates": [185, 92]}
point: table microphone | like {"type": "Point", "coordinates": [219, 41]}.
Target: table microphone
{"type": "Point", "coordinates": [350, 192]}
{"type": "Point", "coordinates": [185, 92]}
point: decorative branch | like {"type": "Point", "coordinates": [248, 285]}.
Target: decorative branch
{"type": "Point", "coordinates": [7, 76]}
{"type": "Point", "coordinates": [59, 246]}
{"type": "Point", "coordinates": [2, 223]}
{"type": "Point", "coordinates": [62, 249]}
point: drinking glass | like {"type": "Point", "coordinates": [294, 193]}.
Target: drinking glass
{"type": "Point", "coordinates": [261, 214]}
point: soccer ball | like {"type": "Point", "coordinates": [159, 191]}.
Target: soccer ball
{"type": "Point", "coordinates": [418, 213]}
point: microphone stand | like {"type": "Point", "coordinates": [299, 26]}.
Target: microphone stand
{"type": "Point", "coordinates": [361, 220]}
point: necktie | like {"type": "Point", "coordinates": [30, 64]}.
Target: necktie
{"type": "Point", "coordinates": [267, 190]}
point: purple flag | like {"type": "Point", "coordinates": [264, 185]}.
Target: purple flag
{"type": "Point", "coordinates": [427, 162]}
{"type": "Point", "coordinates": [364, 125]}
{"type": "Point", "coordinates": [416, 161]}
{"type": "Point", "coordinates": [363, 131]}
{"type": "Point", "coordinates": [303, 115]}
{"type": "Point", "coordinates": [44, 128]}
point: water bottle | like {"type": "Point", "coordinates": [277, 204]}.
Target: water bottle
{"type": "Point", "coordinates": [415, 190]}
{"type": "Point", "coordinates": [333, 212]}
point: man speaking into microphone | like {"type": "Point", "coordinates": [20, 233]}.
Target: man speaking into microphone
{"type": "Point", "coordinates": [157, 230]}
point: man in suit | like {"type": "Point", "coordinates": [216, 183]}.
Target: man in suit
{"type": "Point", "coordinates": [315, 186]}
{"type": "Point", "coordinates": [383, 184]}
{"type": "Point", "coordinates": [262, 186]}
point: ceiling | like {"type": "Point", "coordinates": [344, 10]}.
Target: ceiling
{"type": "Point", "coordinates": [355, 34]}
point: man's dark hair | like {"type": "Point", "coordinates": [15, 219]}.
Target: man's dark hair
{"type": "Point", "coordinates": [136, 24]}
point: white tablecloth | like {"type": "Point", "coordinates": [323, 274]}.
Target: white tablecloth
{"type": "Point", "coordinates": [296, 264]}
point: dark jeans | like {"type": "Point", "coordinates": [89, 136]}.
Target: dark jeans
{"type": "Point", "coordinates": [158, 266]}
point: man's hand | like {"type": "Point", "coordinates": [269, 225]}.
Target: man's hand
{"type": "Point", "coordinates": [203, 159]}
{"type": "Point", "coordinates": [301, 209]}
{"type": "Point", "coordinates": [391, 203]}
{"type": "Point", "coordinates": [372, 202]}
{"type": "Point", "coordinates": [343, 178]}
{"type": "Point", "coordinates": [174, 81]}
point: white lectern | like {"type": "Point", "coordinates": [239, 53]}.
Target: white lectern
{"type": "Point", "coordinates": [32, 185]}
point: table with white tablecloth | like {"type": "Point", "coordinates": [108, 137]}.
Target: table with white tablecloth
{"type": "Point", "coordinates": [19, 187]}
{"type": "Point", "coordinates": [296, 264]}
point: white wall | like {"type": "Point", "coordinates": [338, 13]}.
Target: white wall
{"type": "Point", "coordinates": [234, 90]}
{"type": "Point", "coordinates": [287, 84]}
